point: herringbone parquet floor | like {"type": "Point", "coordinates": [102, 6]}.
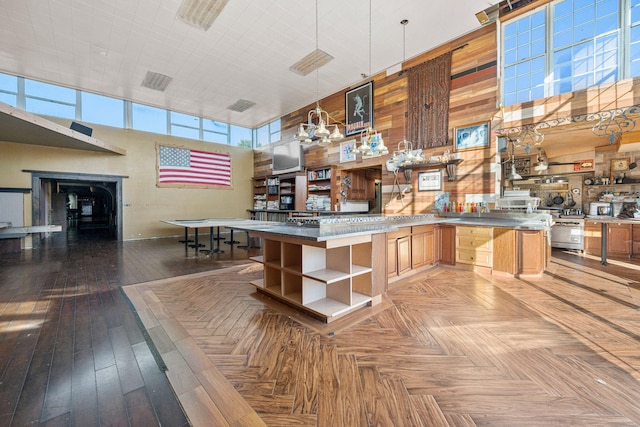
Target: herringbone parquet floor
{"type": "Point", "coordinates": [445, 348]}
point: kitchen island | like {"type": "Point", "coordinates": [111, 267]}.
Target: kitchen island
{"type": "Point", "coordinates": [330, 266]}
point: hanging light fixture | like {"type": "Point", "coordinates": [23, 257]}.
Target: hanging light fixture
{"type": "Point", "coordinates": [514, 174]}
{"type": "Point", "coordinates": [405, 155]}
{"type": "Point", "coordinates": [371, 142]}
{"type": "Point", "coordinates": [318, 124]}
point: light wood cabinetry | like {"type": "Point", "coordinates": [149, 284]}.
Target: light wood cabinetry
{"type": "Point", "coordinates": [446, 247]}
{"type": "Point", "coordinates": [404, 254]}
{"type": "Point", "coordinates": [474, 246]}
{"type": "Point", "coordinates": [619, 238]}
{"type": "Point", "coordinates": [635, 240]}
{"type": "Point", "coordinates": [531, 252]}
{"type": "Point", "coordinates": [398, 252]}
{"type": "Point", "coordinates": [505, 250]}
{"type": "Point", "coordinates": [592, 237]}
{"type": "Point", "coordinates": [326, 279]}
{"type": "Point", "coordinates": [422, 245]}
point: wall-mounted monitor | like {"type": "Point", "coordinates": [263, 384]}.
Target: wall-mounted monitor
{"type": "Point", "coordinates": [288, 157]}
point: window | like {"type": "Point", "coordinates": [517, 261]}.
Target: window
{"type": "Point", "coordinates": [215, 131]}
{"type": "Point", "coordinates": [241, 137]}
{"type": "Point", "coordinates": [568, 45]}
{"type": "Point", "coordinates": [267, 134]}
{"type": "Point", "coordinates": [634, 39]}
{"type": "Point", "coordinates": [49, 100]}
{"type": "Point", "coordinates": [102, 110]}
{"type": "Point", "coordinates": [524, 51]}
{"type": "Point", "coordinates": [57, 101]}
{"type": "Point", "coordinates": [9, 89]}
{"type": "Point", "coordinates": [148, 119]}
{"type": "Point", "coordinates": [184, 125]}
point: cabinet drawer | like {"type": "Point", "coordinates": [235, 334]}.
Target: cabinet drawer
{"type": "Point", "coordinates": [480, 258]}
{"type": "Point", "coordinates": [421, 229]}
{"type": "Point", "coordinates": [473, 242]}
{"type": "Point", "coordinates": [474, 231]}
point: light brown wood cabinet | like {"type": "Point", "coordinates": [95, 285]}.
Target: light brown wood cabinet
{"type": "Point", "coordinates": [531, 251]}
{"type": "Point", "coordinates": [422, 245]}
{"type": "Point", "coordinates": [474, 246]}
{"type": "Point", "coordinates": [619, 238]}
{"type": "Point", "coordinates": [398, 252]}
{"type": "Point", "coordinates": [446, 249]}
{"type": "Point", "coordinates": [635, 240]}
{"type": "Point", "coordinates": [592, 237]}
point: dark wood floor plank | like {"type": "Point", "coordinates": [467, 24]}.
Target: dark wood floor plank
{"type": "Point", "coordinates": [84, 397]}
{"type": "Point", "coordinates": [111, 406]}
{"type": "Point", "coordinates": [128, 371]}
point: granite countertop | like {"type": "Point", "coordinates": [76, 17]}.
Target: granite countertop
{"type": "Point", "coordinates": [614, 219]}
{"type": "Point", "coordinates": [336, 228]}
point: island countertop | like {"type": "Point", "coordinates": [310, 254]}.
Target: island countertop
{"type": "Point", "coordinates": [324, 229]}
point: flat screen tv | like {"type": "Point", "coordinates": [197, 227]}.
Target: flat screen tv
{"type": "Point", "coordinates": [287, 158]}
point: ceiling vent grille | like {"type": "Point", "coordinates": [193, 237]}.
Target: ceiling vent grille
{"type": "Point", "coordinates": [156, 81]}
{"type": "Point", "coordinates": [200, 13]}
{"type": "Point", "coordinates": [311, 62]}
{"type": "Point", "coordinates": [241, 105]}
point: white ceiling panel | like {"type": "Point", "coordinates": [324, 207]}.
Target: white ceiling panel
{"type": "Point", "coordinates": [107, 47]}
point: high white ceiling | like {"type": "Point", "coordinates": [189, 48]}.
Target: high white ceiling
{"type": "Point", "coordinates": [107, 46]}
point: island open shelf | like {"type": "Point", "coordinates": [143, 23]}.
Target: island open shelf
{"type": "Point", "coordinates": [325, 279]}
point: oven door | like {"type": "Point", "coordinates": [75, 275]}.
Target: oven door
{"type": "Point", "coordinates": [567, 236]}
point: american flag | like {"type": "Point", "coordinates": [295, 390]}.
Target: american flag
{"type": "Point", "coordinates": [183, 166]}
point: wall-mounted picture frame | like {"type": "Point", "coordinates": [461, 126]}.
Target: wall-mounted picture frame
{"type": "Point", "coordinates": [346, 151]}
{"type": "Point", "coordinates": [430, 180]}
{"type": "Point", "coordinates": [359, 109]}
{"type": "Point", "coordinates": [471, 137]}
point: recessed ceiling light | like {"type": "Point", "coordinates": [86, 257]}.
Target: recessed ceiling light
{"type": "Point", "coordinates": [156, 81]}
{"type": "Point", "coordinates": [200, 13]}
{"type": "Point", "coordinates": [311, 62]}
{"type": "Point", "coordinates": [241, 105]}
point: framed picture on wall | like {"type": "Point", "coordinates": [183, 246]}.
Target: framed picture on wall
{"type": "Point", "coordinates": [359, 109]}
{"type": "Point", "coordinates": [346, 151]}
{"type": "Point", "coordinates": [471, 137]}
{"type": "Point", "coordinates": [430, 180]}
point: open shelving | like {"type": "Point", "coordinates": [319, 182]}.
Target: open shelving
{"type": "Point", "coordinates": [326, 279]}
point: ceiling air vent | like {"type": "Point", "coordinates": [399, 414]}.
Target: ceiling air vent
{"type": "Point", "coordinates": [311, 62]}
{"type": "Point", "coordinates": [200, 13]}
{"type": "Point", "coordinates": [156, 81]}
{"type": "Point", "coordinates": [241, 105]}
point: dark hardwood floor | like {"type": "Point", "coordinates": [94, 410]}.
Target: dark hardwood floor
{"type": "Point", "coordinates": [71, 352]}
{"type": "Point", "coordinates": [446, 347]}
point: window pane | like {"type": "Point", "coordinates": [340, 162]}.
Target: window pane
{"type": "Point", "coordinates": [212, 125]}
{"type": "Point", "coordinates": [148, 119]}
{"type": "Point", "coordinates": [49, 100]}
{"type": "Point", "coordinates": [8, 83]}
{"type": "Point", "coordinates": [53, 92]}
{"type": "Point", "coordinates": [185, 132]}
{"type": "Point", "coordinates": [184, 120]}
{"type": "Point", "coordinates": [241, 137]}
{"type": "Point", "coordinates": [262, 136]}
{"type": "Point", "coordinates": [215, 137]}
{"type": "Point", "coordinates": [9, 99]}
{"type": "Point", "coordinates": [50, 108]}
{"type": "Point", "coordinates": [102, 110]}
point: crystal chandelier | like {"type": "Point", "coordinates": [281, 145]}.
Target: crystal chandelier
{"type": "Point", "coordinates": [317, 125]}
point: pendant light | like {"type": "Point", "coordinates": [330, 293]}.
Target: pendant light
{"type": "Point", "coordinates": [371, 142]}
{"type": "Point", "coordinates": [318, 124]}
{"type": "Point", "coordinates": [514, 174]}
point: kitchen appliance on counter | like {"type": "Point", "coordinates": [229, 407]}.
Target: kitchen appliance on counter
{"type": "Point", "coordinates": [602, 209]}
{"type": "Point", "coordinates": [518, 200]}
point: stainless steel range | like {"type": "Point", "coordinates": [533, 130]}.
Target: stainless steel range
{"type": "Point", "coordinates": [567, 232]}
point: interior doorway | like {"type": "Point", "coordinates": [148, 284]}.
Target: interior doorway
{"type": "Point", "coordinates": [85, 205]}
{"type": "Point", "coordinates": [365, 185]}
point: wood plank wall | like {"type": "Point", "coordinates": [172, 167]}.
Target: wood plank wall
{"type": "Point", "coordinates": [473, 99]}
